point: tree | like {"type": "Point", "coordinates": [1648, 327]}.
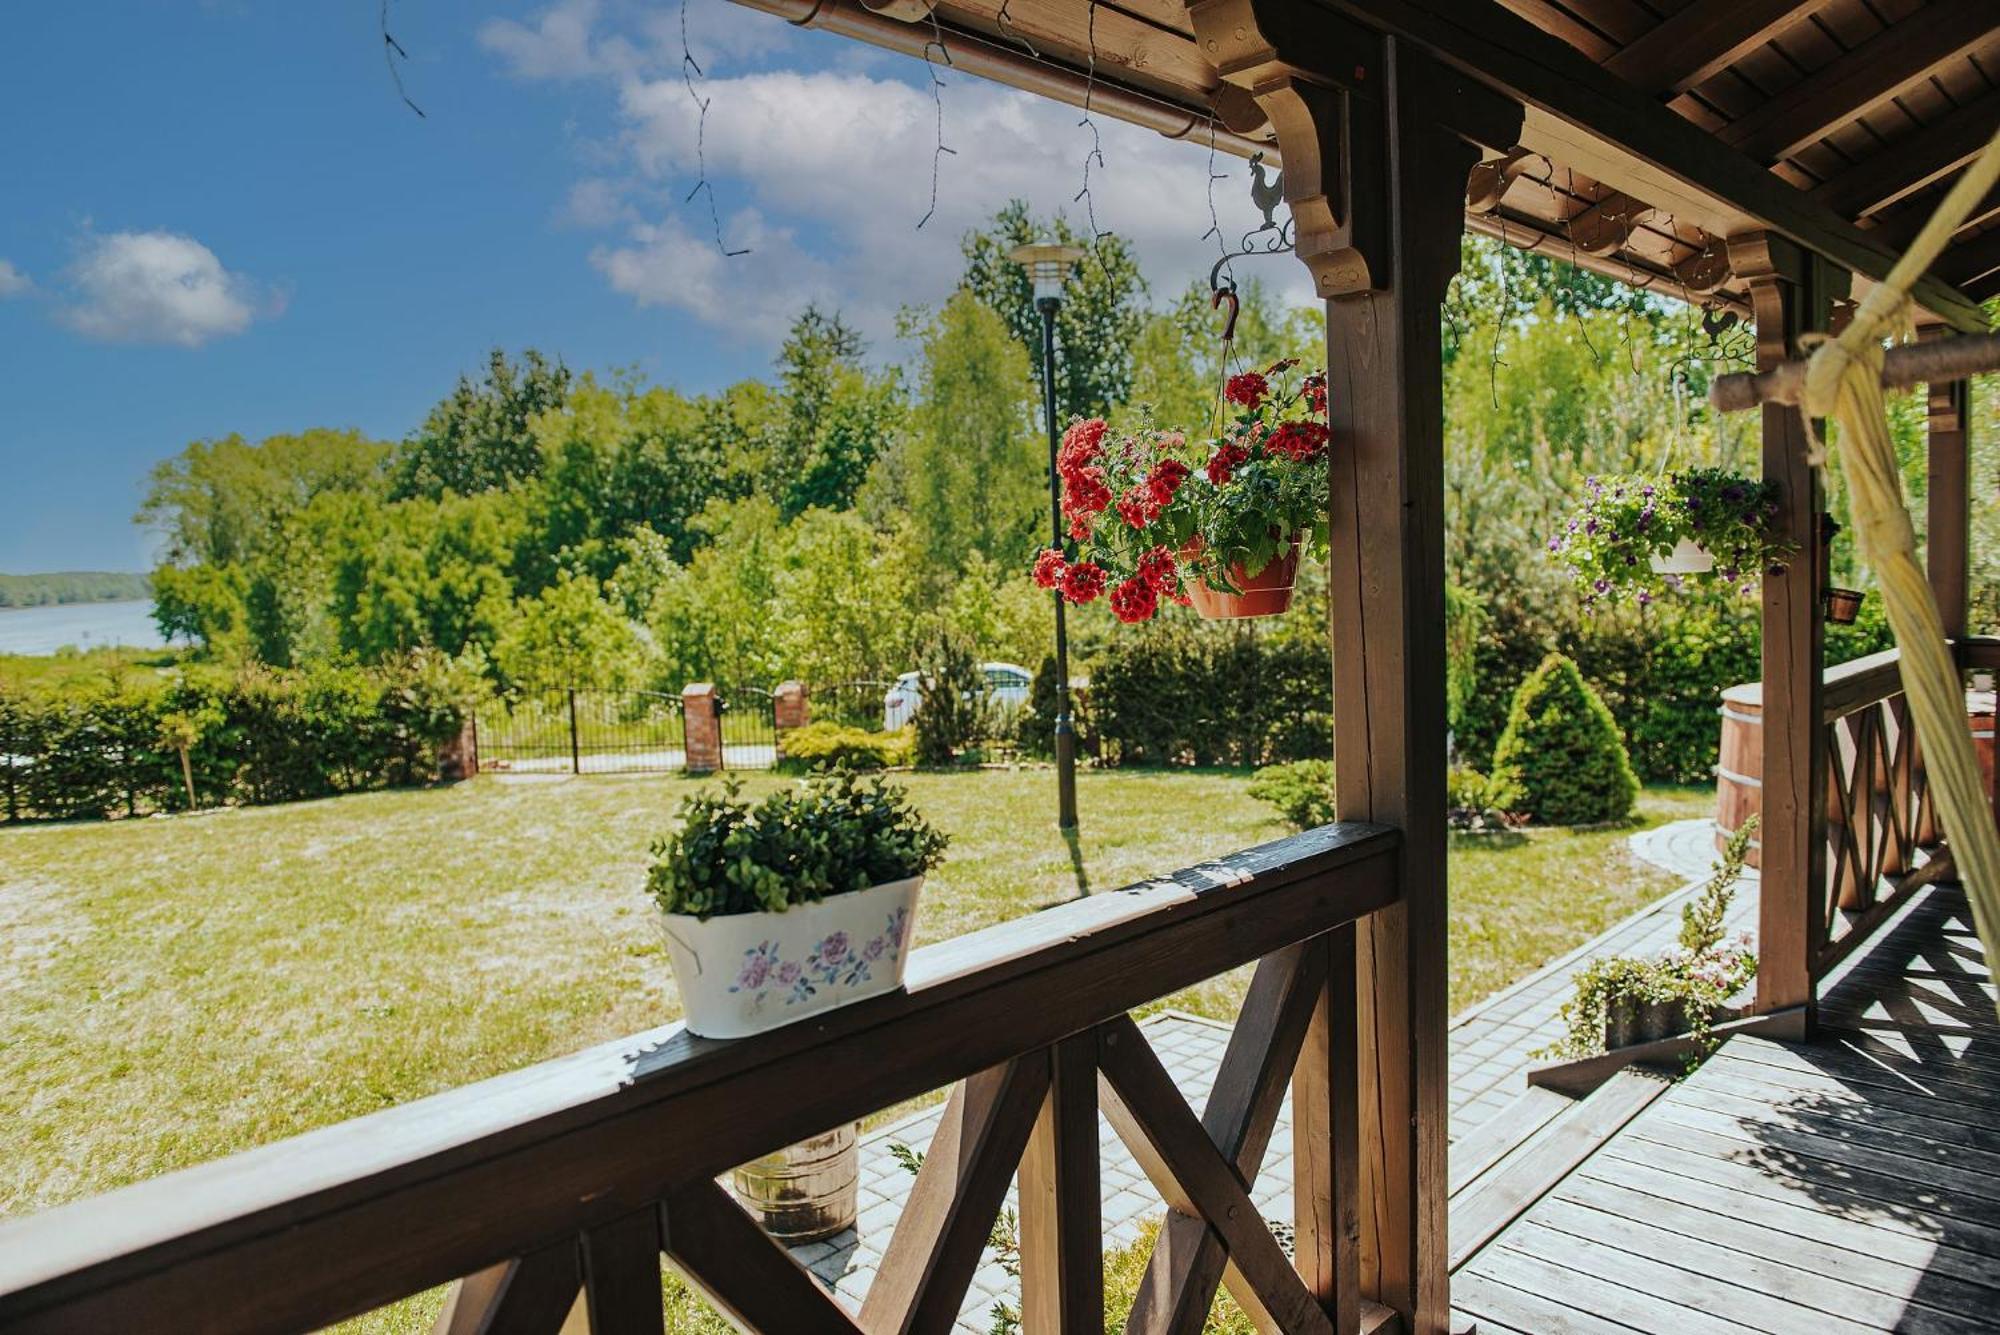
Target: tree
{"type": "Point", "coordinates": [570, 636]}
{"type": "Point", "coordinates": [970, 474]}
{"type": "Point", "coordinates": [218, 502]}
{"type": "Point", "coordinates": [479, 438]}
{"type": "Point", "coordinates": [1096, 328]}
{"type": "Point", "coordinates": [1562, 752]}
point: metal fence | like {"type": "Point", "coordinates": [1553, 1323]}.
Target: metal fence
{"type": "Point", "coordinates": [855, 704]}
{"type": "Point", "coordinates": [566, 731]}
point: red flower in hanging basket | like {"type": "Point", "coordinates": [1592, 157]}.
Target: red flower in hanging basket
{"type": "Point", "coordinates": [1222, 522]}
{"type": "Point", "coordinates": [1083, 582]}
{"type": "Point", "coordinates": [1249, 389]}
{"type": "Point", "coordinates": [1134, 601]}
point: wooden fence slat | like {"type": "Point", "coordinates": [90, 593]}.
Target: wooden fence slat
{"type": "Point", "coordinates": [621, 1276]}
{"type": "Point", "coordinates": [741, 1270]}
{"type": "Point", "coordinates": [957, 1196]}
{"type": "Point", "coordinates": [1146, 1109]}
{"type": "Point", "coordinates": [1188, 1257]}
{"type": "Point", "coordinates": [1062, 1228]}
{"type": "Point", "coordinates": [530, 1295]}
{"type": "Point", "coordinates": [1326, 1129]}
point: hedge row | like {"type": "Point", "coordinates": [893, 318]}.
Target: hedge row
{"type": "Point", "coordinates": [1183, 694]}
{"type": "Point", "coordinates": [83, 751]}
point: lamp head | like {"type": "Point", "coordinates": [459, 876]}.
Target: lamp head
{"type": "Point", "coordinates": [1048, 263]}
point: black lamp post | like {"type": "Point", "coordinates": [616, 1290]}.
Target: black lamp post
{"type": "Point", "coordinates": [1048, 264]}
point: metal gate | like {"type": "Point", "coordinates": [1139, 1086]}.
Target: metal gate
{"type": "Point", "coordinates": [564, 730]}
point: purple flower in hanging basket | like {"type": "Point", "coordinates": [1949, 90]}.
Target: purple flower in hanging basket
{"type": "Point", "coordinates": [1645, 597]}
{"type": "Point", "coordinates": [1601, 585]}
{"type": "Point", "coordinates": [1555, 544]}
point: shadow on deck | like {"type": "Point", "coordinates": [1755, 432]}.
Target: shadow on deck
{"type": "Point", "coordinates": [1847, 1184]}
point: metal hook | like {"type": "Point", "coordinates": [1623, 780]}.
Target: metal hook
{"type": "Point", "coordinates": [1215, 300]}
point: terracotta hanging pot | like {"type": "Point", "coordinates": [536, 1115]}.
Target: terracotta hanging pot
{"type": "Point", "coordinates": [1268, 593]}
{"type": "Point", "coordinates": [1842, 606]}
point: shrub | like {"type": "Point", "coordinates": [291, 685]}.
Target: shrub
{"type": "Point", "coordinates": [1180, 692]}
{"type": "Point", "coordinates": [1301, 790]}
{"type": "Point", "coordinates": [954, 711]}
{"type": "Point", "coordinates": [1474, 801]}
{"type": "Point", "coordinates": [835, 835]}
{"type": "Point", "coordinates": [836, 746]}
{"type": "Point", "coordinates": [1563, 752]}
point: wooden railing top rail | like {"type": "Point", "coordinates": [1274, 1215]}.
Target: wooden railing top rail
{"type": "Point", "coordinates": [1873, 678]}
{"type": "Point", "coordinates": [341, 1220]}
{"type": "Point", "coordinates": [1979, 652]}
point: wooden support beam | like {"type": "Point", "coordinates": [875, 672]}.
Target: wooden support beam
{"type": "Point", "coordinates": [741, 1270]}
{"type": "Point", "coordinates": [1605, 227]}
{"type": "Point", "coordinates": [1186, 1168]}
{"type": "Point", "coordinates": [527, 1296]}
{"type": "Point", "coordinates": [1385, 381]}
{"type": "Point", "coordinates": [1948, 499]}
{"type": "Point", "coordinates": [1188, 1257]}
{"type": "Point", "coordinates": [1326, 1138]}
{"type": "Point", "coordinates": [1862, 79]}
{"type": "Point", "coordinates": [950, 1212]}
{"type": "Point", "coordinates": [621, 1276]}
{"type": "Point", "coordinates": [1912, 162]}
{"type": "Point", "coordinates": [1062, 1225]}
{"type": "Point", "coordinates": [1793, 294]}
{"type": "Point", "coordinates": [1692, 46]}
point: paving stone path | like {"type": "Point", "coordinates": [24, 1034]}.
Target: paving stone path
{"type": "Point", "coordinates": [1489, 1058]}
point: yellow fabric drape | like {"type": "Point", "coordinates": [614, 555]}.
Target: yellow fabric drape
{"type": "Point", "coordinates": [1844, 382]}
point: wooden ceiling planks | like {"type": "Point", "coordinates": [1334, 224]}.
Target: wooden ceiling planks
{"type": "Point", "coordinates": [1907, 163]}
{"type": "Point", "coordinates": [1862, 78]}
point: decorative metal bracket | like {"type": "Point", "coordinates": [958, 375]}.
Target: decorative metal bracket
{"type": "Point", "coordinates": [1269, 237]}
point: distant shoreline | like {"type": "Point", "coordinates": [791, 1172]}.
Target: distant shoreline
{"type": "Point", "coordinates": [71, 588]}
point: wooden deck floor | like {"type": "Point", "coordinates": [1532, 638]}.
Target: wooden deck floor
{"type": "Point", "coordinates": [1849, 1184]}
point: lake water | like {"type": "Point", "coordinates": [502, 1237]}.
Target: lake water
{"type": "Point", "coordinates": [43, 630]}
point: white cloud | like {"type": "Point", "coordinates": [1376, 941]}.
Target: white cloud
{"type": "Point", "coordinates": [832, 170]}
{"type": "Point", "coordinates": [156, 287]}
{"type": "Point", "coordinates": [557, 46]}
{"type": "Point", "coordinates": [12, 281]}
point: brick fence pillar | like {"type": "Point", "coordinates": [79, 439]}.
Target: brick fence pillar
{"type": "Point", "coordinates": [701, 719]}
{"type": "Point", "coordinates": [459, 758]}
{"type": "Point", "coordinates": [790, 708]}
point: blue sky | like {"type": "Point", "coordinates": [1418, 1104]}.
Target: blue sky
{"type": "Point", "coordinates": [217, 216]}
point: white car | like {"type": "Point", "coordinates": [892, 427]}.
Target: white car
{"type": "Point", "coordinates": [1007, 686]}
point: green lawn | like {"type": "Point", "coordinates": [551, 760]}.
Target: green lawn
{"type": "Point", "coordinates": [172, 990]}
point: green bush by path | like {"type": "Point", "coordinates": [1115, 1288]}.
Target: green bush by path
{"type": "Point", "coordinates": [1181, 692]}
{"type": "Point", "coordinates": [1301, 790]}
{"type": "Point", "coordinates": [1562, 752]}
{"type": "Point", "coordinates": [833, 745]}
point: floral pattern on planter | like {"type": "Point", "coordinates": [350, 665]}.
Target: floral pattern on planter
{"type": "Point", "coordinates": [835, 961]}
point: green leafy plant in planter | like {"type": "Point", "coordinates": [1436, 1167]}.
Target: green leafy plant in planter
{"type": "Point", "coordinates": [834, 834]}
{"type": "Point", "coordinates": [1626, 999]}
{"type": "Point", "coordinates": [1640, 537]}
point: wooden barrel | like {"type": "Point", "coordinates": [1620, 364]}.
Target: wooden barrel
{"type": "Point", "coordinates": [1739, 766]}
{"type": "Point", "coordinates": [805, 1192]}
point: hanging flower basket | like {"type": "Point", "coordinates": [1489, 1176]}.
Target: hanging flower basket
{"type": "Point", "coordinates": [1222, 526]}
{"type": "Point", "coordinates": [1636, 537]}
{"type": "Point", "coordinates": [1843, 606]}
{"type": "Point", "coordinates": [1687, 558]}
{"type": "Point", "coordinates": [1267, 593]}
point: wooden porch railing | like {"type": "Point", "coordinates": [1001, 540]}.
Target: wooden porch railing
{"type": "Point", "coordinates": [574, 1176]}
{"type": "Point", "coordinates": [1879, 818]}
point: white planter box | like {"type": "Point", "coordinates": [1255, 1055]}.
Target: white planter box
{"type": "Point", "coordinates": [743, 973]}
{"type": "Point", "coordinates": [1687, 558]}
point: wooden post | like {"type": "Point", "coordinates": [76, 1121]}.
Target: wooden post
{"type": "Point", "coordinates": [1947, 529]}
{"type": "Point", "coordinates": [1792, 293]}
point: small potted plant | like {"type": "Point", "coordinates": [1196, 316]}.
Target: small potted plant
{"type": "Point", "coordinates": [1623, 1000]}
{"type": "Point", "coordinates": [1643, 536]}
{"type": "Point", "coordinates": [792, 906]}
{"type": "Point", "coordinates": [1158, 519]}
